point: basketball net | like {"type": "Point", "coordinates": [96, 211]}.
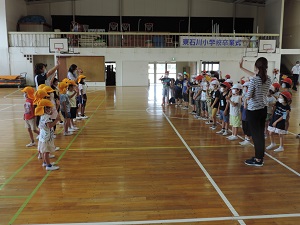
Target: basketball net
{"type": "Point", "coordinates": [113, 26]}
{"type": "Point", "coordinates": [149, 26]}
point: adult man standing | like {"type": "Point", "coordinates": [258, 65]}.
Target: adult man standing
{"type": "Point", "coordinates": [295, 72]}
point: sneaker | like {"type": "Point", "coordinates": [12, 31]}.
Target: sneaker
{"type": "Point", "coordinates": [30, 144]}
{"type": "Point", "coordinates": [220, 131]}
{"type": "Point", "coordinates": [45, 164]}
{"type": "Point", "coordinates": [205, 118]}
{"type": "Point", "coordinates": [193, 113]}
{"type": "Point", "coordinates": [74, 120]}
{"type": "Point", "coordinates": [54, 135]}
{"type": "Point", "coordinates": [245, 142]}
{"type": "Point", "coordinates": [37, 137]}
{"type": "Point", "coordinates": [229, 136]}
{"type": "Point", "coordinates": [75, 128]}
{"type": "Point", "coordinates": [71, 129]}
{"type": "Point", "coordinates": [84, 117]}
{"type": "Point", "coordinates": [209, 122]}
{"type": "Point", "coordinates": [185, 108]}
{"type": "Point", "coordinates": [272, 145]}
{"type": "Point", "coordinates": [225, 133]}
{"type": "Point", "coordinates": [232, 138]}
{"type": "Point", "coordinates": [213, 127]}
{"type": "Point", "coordinates": [52, 168]}
{"type": "Point", "coordinates": [57, 148]}
{"type": "Point", "coordinates": [51, 156]}
{"type": "Point", "coordinates": [78, 117]}
{"type": "Point", "coordinates": [253, 162]}
{"type": "Point", "coordinates": [61, 123]}
{"type": "Point", "coordinates": [279, 149]}
{"type": "Point", "coordinates": [68, 133]}
{"type": "Point", "coordinates": [40, 156]}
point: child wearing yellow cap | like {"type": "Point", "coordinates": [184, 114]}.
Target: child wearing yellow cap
{"type": "Point", "coordinates": [29, 116]}
{"type": "Point", "coordinates": [82, 95]}
{"type": "Point", "coordinates": [72, 94]}
{"type": "Point", "coordinates": [65, 106]}
{"type": "Point", "coordinates": [46, 137]}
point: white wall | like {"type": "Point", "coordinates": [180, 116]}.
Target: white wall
{"type": "Point", "coordinates": [132, 64]}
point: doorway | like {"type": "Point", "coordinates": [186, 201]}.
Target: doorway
{"type": "Point", "coordinates": [110, 73]}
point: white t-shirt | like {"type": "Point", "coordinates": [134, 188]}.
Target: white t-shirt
{"type": "Point", "coordinates": [296, 69]}
{"type": "Point", "coordinates": [235, 110]}
{"type": "Point", "coordinates": [82, 87]}
{"type": "Point", "coordinates": [72, 76]}
{"type": "Point", "coordinates": [46, 134]}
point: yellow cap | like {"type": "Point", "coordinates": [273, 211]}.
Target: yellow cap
{"type": "Point", "coordinates": [30, 92]}
{"type": "Point", "coordinates": [39, 110]}
{"type": "Point", "coordinates": [41, 86]}
{"type": "Point", "coordinates": [48, 89]}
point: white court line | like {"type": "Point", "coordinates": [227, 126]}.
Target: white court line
{"type": "Point", "coordinates": [11, 93]}
{"type": "Point", "coordinates": [7, 107]}
{"type": "Point", "coordinates": [211, 180]}
{"type": "Point", "coordinates": [11, 119]}
{"type": "Point", "coordinates": [192, 220]}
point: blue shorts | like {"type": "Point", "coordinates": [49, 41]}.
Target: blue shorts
{"type": "Point", "coordinates": [66, 115]}
{"type": "Point", "coordinates": [224, 118]}
{"type": "Point", "coordinates": [82, 101]}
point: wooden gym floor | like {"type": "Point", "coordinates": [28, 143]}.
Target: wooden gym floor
{"type": "Point", "coordinates": [133, 162]}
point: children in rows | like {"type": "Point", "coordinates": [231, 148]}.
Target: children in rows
{"type": "Point", "coordinates": [72, 94]}
{"type": "Point", "coordinates": [29, 116]}
{"type": "Point", "coordinates": [46, 139]}
{"type": "Point", "coordinates": [197, 96]}
{"type": "Point", "coordinates": [235, 110]}
{"type": "Point", "coordinates": [165, 80]}
{"type": "Point", "coordinates": [54, 113]}
{"type": "Point", "coordinates": [215, 101]}
{"type": "Point", "coordinates": [186, 85]}
{"type": "Point", "coordinates": [271, 101]}
{"type": "Point", "coordinates": [278, 122]}
{"type": "Point", "coordinates": [178, 90]}
{"type": "Point", "coordinates": [224, 108]}
{"type": "Point", "coordinates": [204, 86]}
{"type": "Point", "coordinates": [276, 90]}
{"type": "Point", "coordinates": [245, 125]}
{"type": "Point", "coordinates": [65, 106]}
{"type": "Point", "coordinates": [82, 87]}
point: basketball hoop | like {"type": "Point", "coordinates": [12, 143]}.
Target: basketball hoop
{"type": "Point", "coordinates": [148, 27]}
{"type": "Point", "coordinates": [125, 27]}
{"type": "Point", "coordinates": [113, 26]}
{"type": "Point", "coordinates": [270, 50]}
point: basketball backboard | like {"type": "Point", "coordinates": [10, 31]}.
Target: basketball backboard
{"type": "Point", "coordinates": [58, 45]}
{"type": "Point", "coordinates": [267, 46]}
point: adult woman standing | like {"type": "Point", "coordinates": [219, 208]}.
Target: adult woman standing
{"type": "Point", "coordinates": [72, 75]}
{"type": "Point", "coordinates": [42, 76]}
{"type": "Point", "coordinates": [257, 108]}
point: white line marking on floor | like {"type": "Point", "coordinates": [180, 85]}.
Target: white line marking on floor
{"type": "Point", "coordinates": [11, 119]}
{"type": "Point", "coordinates": [192, 220]}
{"type": "Point", "coordinates": [7, 107]}
{"type": "Point", "coordinates": [11, 93]}
{"type": "Point", "coordinates": [211, 180]}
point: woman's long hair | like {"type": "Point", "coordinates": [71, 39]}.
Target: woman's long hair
{"type": "Point", "coordinates": [262, 65]}
{"type": "Point", "coordinates": [72, 68]}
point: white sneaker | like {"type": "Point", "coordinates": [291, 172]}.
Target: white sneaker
{"type": "Point", "coordinates": [245, 142]}
{"type": "Point", "coordinates": [52, 168]}
{"type": "Point", "coordinates": [45, 164]}
{"type": "Point", "coordinates": [71, 129]}
{"type": "Point", "coordinates": [213, 127]}
{"type": "Point", "coordinates": [84, 117]}
{"type": "Point", "coordinates": [37, 137]}
{"type": "Point", "coordinates": [68, 133]}
{"type": "Point", "coordinates": [75, 128]}
{"type": "Point", "coordinates": [208, 122]}
{"type": "Point", "coordinates": [57, 148]}
{"type": "Point", "coordinates": [229, 136]}
{"type": "Point", "coordinates": [272, 145]}
{"type": "Point", "coordinates": [51, 156]}
{"type": "Point", "coordinates": [61, 123]}
{"type": "Point", "coordinates": [232, 138]}
{"type": "Point", "coordinates": [220, 131]}
{"type": "Point", "coordinates": [54, 135]}
{"type": "Point", "coordinates": [279, 149]}
{"type": "Point", "coordinates": [30, 144]}
{"type": "Point", "coordinates": [225, 133]}
{"type": "Point", "coordinates": [40, 156]}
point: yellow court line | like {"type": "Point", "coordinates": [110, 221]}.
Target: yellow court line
{"type": "Point", "coordinates": [149, 148]}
